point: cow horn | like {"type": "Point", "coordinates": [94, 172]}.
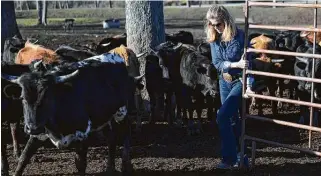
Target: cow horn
{"type": "Point", "coordinates": [37, 63]}
{"type": "Point", "coordinates": [141, 54]}
{"type": "Point", "coordinates": [316, 95]}
{"type": "Point", "coordinates": [11, 78]}
{"type": "Point", "coordinates": [64, 78]}
{"type": "Point", "coordinates": [136, 78]}
{"type": "Point", "coordinates": [155, 52]}
{"type": "Point", "coordinates": [303, 34]}
{"type": "Point", "coordinates": [178, 46]}
{"type": "Point", "coordinates": [105, 44]}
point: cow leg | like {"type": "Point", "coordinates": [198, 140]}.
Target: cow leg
{"type": "Point", "coordinates": [274, 103]}
{"type": "Point", "coordinates": [4, 160]}
{"type": "Point", "coordinates": [168, 108]}
{"type": "Point", "coordinates": [30, 148]}
{"type": "Point", "coordinates": [190, 121]}
{"type": "Point", "coordinates": [126, 161]}
{"type": "Point", "coordinates": [81, 157]}
{"type": "Point", "coordinates": [152, 109]}
{"type": "Point", "coordinates": [259, 106]}
{"type": "Point", "coordinates": [281, 89]}
{"type": "Point", "coordinates": [14, 134]}
{"type": "Point", "coordinates": [138, 114]}
{"type": "Point", "coordinates": [111, 148]}
{"type": "Point", "coordinates": [199, 108]}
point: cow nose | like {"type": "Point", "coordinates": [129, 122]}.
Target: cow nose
{"type": "Point", "coordinates": [32, 130]}
{"type": "Point", "coordinates": [27, 129]}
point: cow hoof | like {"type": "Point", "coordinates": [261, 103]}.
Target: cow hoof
{"type": "Point", "coordinates": [127, 168]}
{"type": "Point", "coordinates": [110, 170]}
{"type": "Point", "coordinates": [189, 132]}
{"type": "Point", "coordinates": [198, 131]}
{"type": "Point", "coordinates": [81, 167]}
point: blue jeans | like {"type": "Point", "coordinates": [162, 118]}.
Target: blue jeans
{"type": "Point", "coordinates": [231, 97]}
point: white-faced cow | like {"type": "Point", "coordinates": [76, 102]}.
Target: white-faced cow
{"type": "Point", "coordinates": [70, 102]}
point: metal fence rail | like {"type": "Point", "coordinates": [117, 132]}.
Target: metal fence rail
{"type": "Point", "coordinates": [311, 104]}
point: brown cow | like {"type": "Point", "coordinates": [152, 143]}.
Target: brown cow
{"type": "Point", "coordinates": [132, 64]}
{"type": "Point", "coordinates": [309, 36]}
{"type": "Point", "coordinates": [32, 52]}
{"type": "Point", "coordinates": [264, 62]}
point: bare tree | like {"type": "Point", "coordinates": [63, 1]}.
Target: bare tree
{"type": "Point", "coordinates": [145, 28]}
{"type": "Point", "coordinates": [42, 7]}
{"type": "Point", "coordinates": [9, 26]}
{"type": "Point", "coordinates": [110, 4]}
{"type": "Point", "coordinates": [188, 3]}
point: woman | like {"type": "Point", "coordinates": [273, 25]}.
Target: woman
{"type": "Point", "coordinates": [227, 44]}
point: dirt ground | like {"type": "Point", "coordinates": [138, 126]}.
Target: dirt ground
{"type": "Point", "coordinates": [163, 150]}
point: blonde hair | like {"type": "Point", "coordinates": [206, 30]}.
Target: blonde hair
{"type": "Point", "coordinates": [220, 13]}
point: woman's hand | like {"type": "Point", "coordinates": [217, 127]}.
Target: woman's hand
{"type": "Point", "coordinates": [240, 64]}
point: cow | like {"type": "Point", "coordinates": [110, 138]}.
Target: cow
{"type": "Point", "coordinates": [32, 51]}
{"type": "Point", "coordinates": [205, 49]}
{"type": "Point", "coordinates": [185, 37]}
{"type": "Point", "coordinates": [69, 24]}
{"type": "Point", "coordinates": [309, 36]}
{"type": "Point", "coordinates": [264, 62]}
{"type": "Point", "coordinates": [187, 74]}
{"type": "Point", "coordinates": [288, 41]}
{"type": "Point", "coordinates": [303, 68]}
{"type": "Point", "coordinates": [132, 65]}
{"type": "Point", "coordinates": [71, 54]}
{"type": "Point", "coordinates": [107, 44]}
{"type": "Point", "coordinates": [11, 48]}
{"type": "Point", "coordinates": [11, 110]}
{"type": "Point", "coordinates": [92, 94]}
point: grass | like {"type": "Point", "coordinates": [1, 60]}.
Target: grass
{"type": "Point", "coordinates": [57, 21]}
{"type": "Point", "coordinates": [277, 16]}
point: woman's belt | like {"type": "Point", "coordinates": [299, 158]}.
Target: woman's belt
{"type": "Point", "coordinates": [229, 78]}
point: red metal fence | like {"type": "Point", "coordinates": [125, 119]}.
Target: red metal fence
{"type": "Point", "coordinates": [313, 80]}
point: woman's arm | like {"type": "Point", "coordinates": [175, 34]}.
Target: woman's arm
{"type": "Point", "coordinates": [219, 63]}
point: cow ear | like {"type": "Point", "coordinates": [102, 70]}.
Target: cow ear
{"type": "Point", "coordinates": [12, 91]}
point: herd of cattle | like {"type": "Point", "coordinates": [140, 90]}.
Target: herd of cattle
{"type": "Point", "coordinates": [98, 85]}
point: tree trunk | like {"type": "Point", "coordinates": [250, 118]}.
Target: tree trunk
{"type": "Point", "coordinates": [145, 28]}
{"type": "Point", "coordinates": [44, 12]}
{"type": "Point", "coordinates": [42, 6]}
{"type": "Point", "coordinates": [188, 3]}
{"type": "Point", "coordinates": [9, 26]}
{"type": "Point", "coordinates": [110, 4]}
{"type": "Point", "coordinates": [59, 3]}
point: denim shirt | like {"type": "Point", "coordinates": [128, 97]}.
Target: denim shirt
{"type": "Point", "coordinates": [223, 53]}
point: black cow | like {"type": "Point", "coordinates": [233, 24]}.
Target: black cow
{"type": "Point", "coordinates": [187, 74]}
{"type": "Point", "coordinates": [180, 37]}
{"type": "Point", "coordinates": [288, 41]}
{"type": "Point", "coordinates": [303, 67]}
{"type": "Point", "coordinates": [205, 49]}
{"type": "Point", "coordinates": [11, 110]}
{"type": "Point", "coordinates": [11, 49]}
{"type": "Point", "coordinates": [71, 54]}
{"type": "Point", "coordinates": [68, 104]}
{"type": "Point", "coordinates": [110, 43]}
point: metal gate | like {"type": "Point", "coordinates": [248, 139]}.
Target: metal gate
{"type": "Point", "coordinates": [312, 105]}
